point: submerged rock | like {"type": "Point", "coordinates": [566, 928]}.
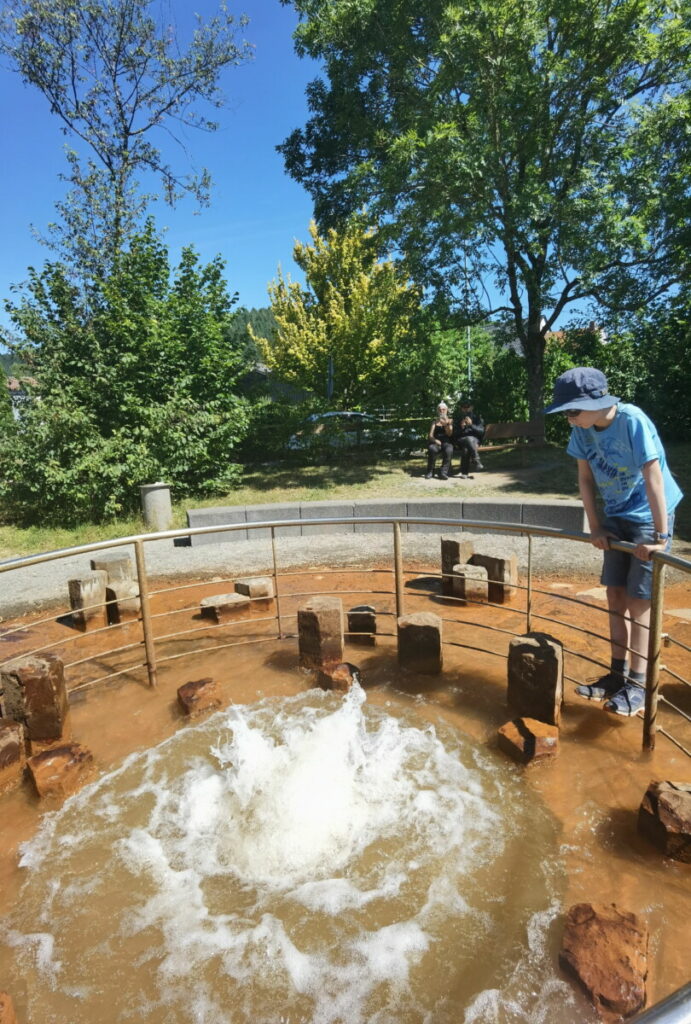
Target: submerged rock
{"type": "Point", "coordinates": [664, 818]}
{"type": "Point", "coordinates": [606, 949]}
{"type": "Point", "coordinates": [526, 740]}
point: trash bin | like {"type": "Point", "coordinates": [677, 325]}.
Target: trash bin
{"type": "Point", "coordinates": [156, 506]}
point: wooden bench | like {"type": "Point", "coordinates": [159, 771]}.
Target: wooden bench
{"type": "Point", "coordinates": [532, 430]}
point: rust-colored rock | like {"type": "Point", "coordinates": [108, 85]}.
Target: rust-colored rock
{"type": "Point", "coordinates": [12, 756]}
{"type": "Point", "coordinates": [88, 600]}
{"type": "Point", "coordinates": [7, 1014]}
{"type": "Point", "coordinates": [123, 600]}
{"type": "Point", "coordinates": [454, 551]}
{"type": "Point", "coordinates": [502, 576]}
{"type": "Point", "coordinates": [420, 643]}
{"type": "Point", "coordinates": [527, 740]}
{"type": "Point", "coordinates": [339, 678]}
{"type": "Point", "coordinates": [362, 625]}
{"type": "Point", "coordinates": [225, 607]}
{"type": "Point", "coordinates": [198, 696]}
{"type": "Point", "coordinates": [61, 771]}
{"type": "Point", "coordinates": [606, 950]}
{"type": "Point", "coordinates": [320, 632]}
{"type": "Point", "coordinates": [34, 694]}
{"type": "Point", "coordinates": [664, 818]}
{"type": "Point", "coordinates": [535, 671]}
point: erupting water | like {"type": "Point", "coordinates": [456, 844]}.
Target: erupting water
{"type": "Point", "coordinates": [304, 859]}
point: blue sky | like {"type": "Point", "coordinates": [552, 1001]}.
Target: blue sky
{"type": "Point", "coordinates": [256, 211]}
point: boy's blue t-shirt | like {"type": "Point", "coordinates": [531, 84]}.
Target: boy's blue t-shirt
{"type": "Point", "coordinates": [616, 456]}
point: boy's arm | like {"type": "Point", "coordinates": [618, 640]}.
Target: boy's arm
{"type": "Point", "coordinates": [655, 490]}
{"type": "Point", "coordinates": [599, 534]}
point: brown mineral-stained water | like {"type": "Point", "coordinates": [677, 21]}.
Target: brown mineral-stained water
{"type": "Point", "coordinates": [583, 805]}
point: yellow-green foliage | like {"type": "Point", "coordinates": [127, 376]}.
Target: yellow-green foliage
{"type": "Point", "coordinates": [357, 310]}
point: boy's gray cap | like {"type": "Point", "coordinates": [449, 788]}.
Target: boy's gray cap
{"type": "Point", "coordinates": [583, 387]}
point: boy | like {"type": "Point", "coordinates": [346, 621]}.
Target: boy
{"type": "Point", "coordinates": [620, 455]}
{"type": "Point", "coordinates": [467, 437]}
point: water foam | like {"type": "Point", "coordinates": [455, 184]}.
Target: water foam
{"type": "Point", "coordinates": [310, 853]}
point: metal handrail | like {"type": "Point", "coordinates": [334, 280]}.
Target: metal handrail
{"type": "Point", "coordinates": [660, 561]}
{"type": "Point", "coordinates": [675, 1009]}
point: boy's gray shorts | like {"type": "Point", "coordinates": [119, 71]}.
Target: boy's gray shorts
{"type": "Point", "coordinates": [620, 569]}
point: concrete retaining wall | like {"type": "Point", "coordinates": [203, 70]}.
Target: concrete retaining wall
{"type": "Point", "coordinates": [562, 515]}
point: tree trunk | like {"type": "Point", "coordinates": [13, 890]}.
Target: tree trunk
{"type": "Point", "coordinates": [534, 357]}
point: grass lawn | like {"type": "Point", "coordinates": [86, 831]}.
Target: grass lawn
{"type": "Point", "coordinates": [523, 470]}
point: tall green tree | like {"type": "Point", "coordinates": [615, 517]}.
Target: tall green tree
{"type": "Point", "coordinates": [350, 335]}
{"type": "Point", "coordinates": [135, 383]}
{"type": "Point", "coordinates": [118, 79]}
{"type": "Point", "coordinates": [537, 145]}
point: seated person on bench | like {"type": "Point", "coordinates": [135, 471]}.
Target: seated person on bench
{"type": "Point", "coordinates": [439, 441]}
{"type": "Point", "coordinates": [467, 436]}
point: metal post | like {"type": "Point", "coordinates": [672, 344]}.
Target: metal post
{"type": "Point", "coordinates": [398, 568]}
{"type": "Point", "coordinates": [146, 612]}
{"type": "Point", "coordinates": [275, 573]}
{"type": "Point", "coordinates": [652, 675]}
{"type": "Point", "coordinates": [529, 589]}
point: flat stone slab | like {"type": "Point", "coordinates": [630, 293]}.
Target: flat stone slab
{"type": "Point", "coordinates": [664, 818]}
{"type": "Point", "coordinates": [255, 587]}
{"type": "Point", "coordinates": [198, 696]}
{"type": "Point", "coordinates": [225, 607]}
{"type": "Point", "coordinates": [679, 613]}
{"type": "Point", "coordinates": [62, 770]}
{"type": "Point", "coordinates": [526, 740]}
{"type": "Point", "coordinates": [606, 950]}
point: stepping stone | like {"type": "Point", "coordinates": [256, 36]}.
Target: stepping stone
{"type": "Point", "coordinates": [34, 693]}
{"type": "Point", "coordinates": [225, 607]}
{"type": "Point", "coordinates": [664, 818]}
{"type": "Point", "coordinates": [527, 740]}
{"type": "Point", "coordinates": [255, 586]}
{"type": "Point", "coordinates": [61, 771]}
{"type": "Point", "coordinates": [198, 696]}
{"type": "Point", "coordinates": [606, 950]}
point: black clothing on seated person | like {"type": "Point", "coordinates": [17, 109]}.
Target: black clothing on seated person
{"type": "Point", "coordinates": [467, 437]}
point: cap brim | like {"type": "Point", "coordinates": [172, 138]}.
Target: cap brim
{"type": "Point", "coordinates": [586, 404]}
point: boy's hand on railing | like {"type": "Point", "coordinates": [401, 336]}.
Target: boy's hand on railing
{"type": "Point", "coordinates": [646, 551]}
{"type": "Point", "coordinates": [601, 536]}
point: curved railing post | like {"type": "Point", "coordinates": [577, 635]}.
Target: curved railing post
{"type": "Point", "coordinates": [275, 575]}
{"type": "Point", "coordinates": [398, 568]}
{"type": "Point", "coordinates": [652, 675]}
{"type": "Point", "coordinates": [149, 646]}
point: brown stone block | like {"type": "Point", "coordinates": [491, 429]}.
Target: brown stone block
{"type": "Point", "coordinates": [116, 567]}
{"type": "Point", "coordinates": [526, 740]}
{"type": "Point", "coordinates": [225, 607]}
{"type": "Point", "coordinates": [198, 696]}
{"type": "Point", "coordinates": [664, 818]}
{"type": "Point", "coordinates": [420, 643]}
{"type": "Point", "coordinates": [61, 770]}
{"type": "Point", "coordinates": [535, 677]}
{"type": "Point", "coordinates": [362, 625]}
{"type": "Point", "coordinates": [12, 756]}
{"type": "Point", "coordinates": [454, 551]}
{"type": "Point", "coordinates": [469, 582]}
{"type": "Point", "coordinates": [320, 632]}
{"type": "Point", "coordinates": [606, 950]}
{"type": "Point", "coordinates": [88, 600]}
{"type": "Point", "coordinates": [339, 678]}
{"type": "Point", "coordinates": [123, 600]}
{"type": "Point", "coordinates": [7, 1014]}
{"type": "Point", "coordinates": [502, 576]}
{"type": "Point", "coordinates": [34, 693]}
{"type": "Point", "coordinates": [255, 586]}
